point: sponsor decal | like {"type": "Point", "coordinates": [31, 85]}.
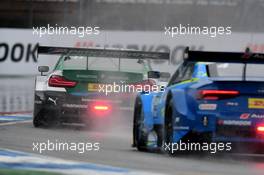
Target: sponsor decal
{"type": "Point", "coordinates": [234, 122]}
{"type": "Point", "coordinates": [116, 77]}
{"type": "Point", "coordinates": [177, 119]}
{"type": "Point", "coordinates": [54, 101]}
{"type": "Point", "coordinates": [38, 102]}
{"type": "Point", "coordinates": [74, 106]}
{"type": "Point", "coordinates": [86, 76]}
{"type": "Point", "coordinates": [93, 87]}
{"type": "Point", "coordinates": [253, 55]}
{"type": "Point", "coordinates": [208, 106]}
{"type": "Point", "coordinates": [260, 116]}
{"type": "Point", "coordinates": [256, 103]}
{"type": "Point", "coordinates": [244, 116]}
{"type": "Point", "coordinates": [205, 121]}
{"type": "Point", "coordinates": [181, 127]}
{"type": "Point", "coordinates": [18, 52]}
{"type": "Point", "coordinates": [260, 56]}
{"type": "Point", "coordinates": [261, 91]}
{"type": "Point", "coordinates": [232, 104]}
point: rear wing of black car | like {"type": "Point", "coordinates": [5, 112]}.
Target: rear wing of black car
{"type": "Point", "coordinates": [246, 57]}
{"type": "Point", "coordinates": [106, 53]}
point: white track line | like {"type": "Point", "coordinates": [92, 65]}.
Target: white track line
{"type": "Point", "coordinates": [13, 123]}
{"type": "Point", "coordinates": [64, 166]}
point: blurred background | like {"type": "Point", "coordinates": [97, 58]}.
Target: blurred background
{"type": "Point", "coordinates": [133, 15]}
{"type": "Point", "coordinates": [133, 24]}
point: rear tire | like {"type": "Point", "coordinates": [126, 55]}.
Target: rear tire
{"type": "Point", "coordinates": [45, 119]}
{"type": "Point", "coordinates": [139, 137]}
{"type": "Point", "coordinates": [38, 120]}
{"type": "Point", "coordinates": [190, 137]}
{"type": "Point", "coordinates": [168, 125]}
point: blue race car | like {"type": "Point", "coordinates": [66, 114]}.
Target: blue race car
{"type": "Point", "coordinates": [212, 97]}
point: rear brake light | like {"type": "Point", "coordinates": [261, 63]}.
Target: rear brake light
{"type": "Point", "coordinates": [260, 129]}
{"type": "Point", "coordinates": [101, 108]}
{"type": "Point", "coordinates": [59, 81]}
{"type": "Point", "coordinates": [217, 94]}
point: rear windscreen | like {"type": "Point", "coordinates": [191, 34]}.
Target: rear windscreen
{"type": "Point", "coordinates": [100, 63]}
{"type": "Point", "coordinates": [235, 70]}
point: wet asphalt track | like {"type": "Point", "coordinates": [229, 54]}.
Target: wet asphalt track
{"type": "Point", "coordinates": [115, 150]}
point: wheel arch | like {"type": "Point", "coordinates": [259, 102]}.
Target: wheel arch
{"type": "Point", "coordinates": [180, 109]}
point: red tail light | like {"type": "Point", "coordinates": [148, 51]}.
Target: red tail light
{"type": "Point", "coordinates": [101, 107]}
{"type": "Point", "coordinates": [217, 94]}
{"type": "Point", "coordinates": [260, 129]}
{"type": "Point", "coordinates": [59, 81]}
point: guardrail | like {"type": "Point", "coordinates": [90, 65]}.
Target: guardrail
{"type": "Point", "coordinates": [16, 95]}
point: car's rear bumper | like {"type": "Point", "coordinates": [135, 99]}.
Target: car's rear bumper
{"type": "Point", "coordinates": [238, 133]}
{"type": "Point", "coordinates": [238, 139]}
{"type": "Point", "coordinates": [76, 108]}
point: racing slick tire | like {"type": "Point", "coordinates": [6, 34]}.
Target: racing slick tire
{"type": "Point", "coordinates": [45, 119]}
{"type": "Point", "coordinates": [169, 131]}
{"type": "Point", "coordinates": [168, 126]}
{"type": "Point", "coordinates": [139, 136]}
{"type": "Point", "coordinates": [190, 137]}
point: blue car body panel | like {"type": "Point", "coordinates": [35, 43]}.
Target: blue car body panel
{"type": "Point", "coordinates": [147, 105]}
{"type": "Point", "coordinates": [225, 118]}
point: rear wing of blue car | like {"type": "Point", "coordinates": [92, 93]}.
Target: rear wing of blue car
{"type": "Point", "coordinates": [246, 57]}
{"type": "Point", "coordinates": [107, 53]}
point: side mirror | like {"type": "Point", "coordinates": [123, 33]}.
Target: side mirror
{"type": "Point", "coordinates": [154, 74]}
{"type": "Point", "coordinates": [140, 61]}
{"type": "Point", "coordinates": [43, 69]}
